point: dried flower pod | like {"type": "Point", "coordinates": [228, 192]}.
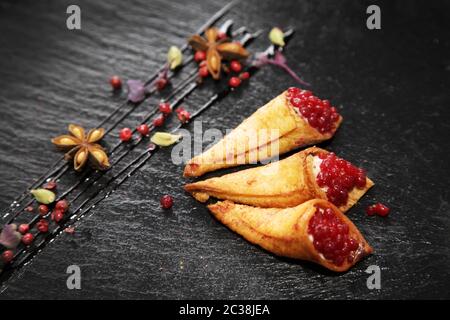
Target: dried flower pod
{"type": "Point", "coordinates": [95, 135]}
{"type": "Point", "coordinates": [233, 51]}
{"type": "Point", "coordinates": [164, 139]}
{"type": "Point", "coordinates": [43, 196]}
{"type": "Point", "coordinates": [98, 157]}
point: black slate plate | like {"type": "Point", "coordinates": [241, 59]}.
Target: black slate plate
{"type": "Point", "coordinates": [391, 85]}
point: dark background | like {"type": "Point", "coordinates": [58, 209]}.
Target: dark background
{"type": "Point", "coordinates": [391, 86]}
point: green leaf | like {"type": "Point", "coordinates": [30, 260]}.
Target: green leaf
{"type": "Point", "coordinates": [174, 57]}
{"type": "Point", "coordinates": [43, 196]}
{"type": "Point", "coordinates": [164, 139]}
{"type": "Point", "coordinates": [276, 36]}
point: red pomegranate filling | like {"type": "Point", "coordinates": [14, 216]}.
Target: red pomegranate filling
{"type": "Point", "coordinates": [339, 177]}
{"type": "Point", "coordinates": [319, 113]}
{"type": "Point", "coordinates": [331, 238]}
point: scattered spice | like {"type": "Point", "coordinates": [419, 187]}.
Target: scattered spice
{"type": "Point", "coordinates": [43, 196]}
{"type": "Point", "coordinates": [125, 134]}
{"type": "Point", "coordinates": [165, 108]}
{"type": "Point", "coordinates": [183, 115]}
{"type": "Point", "coordinates": [136, 91]}
{"type": "Point", "coordinates": [69, 230]}
{"type": "Point", "coordinates": [27, 239]}
{"type": "Point", "coordinates": [62, 205]}
{"type": "Point", "coordinates": [217, 49]}
{"type": "Point", "coordinates": [50, 185]}
{"type": "Point", "coordinates": [9, 237]}
{"type": "Point", "coordinates": [174, 57]}
{"type": "Point", "coordinates": [276, 36]}
{"type": "Point", "coordinates": [43, 209]}
{"type": "Point", "coordinates": [57, 215]}
{"type": "Point", "coordinates": [143, 129]}
{"type": "Point", "coordinates": [236, 66]}
{"type": "Point", "coordinates": [158, 121]}
{"type": "Point", "coordinates": [83, 148]}
{"type": "Point", "coordinates": [7, 256]}
{"type": "Point", "coordinates": [234, 82]}
{"type": "Point", "coordinates": [115, 82]}
{"type": "Point", "coordinates": [42, 226]}
{"type": "Point", "coordinates": [29, 209]}
{"type": "Point", "coordinates": [164, 139]}
{"type": "Point", "coordinates": [24, 228]}
{"type": "Point", "coordinates": [166, 202]}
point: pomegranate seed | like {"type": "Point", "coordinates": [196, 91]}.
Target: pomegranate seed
{"type": "Point", "coordinates": [24, 228]}
{"type": "Point", "coordinates": [27, 239]}
{"type": "Point", "coordinates": [50, 185]}
{"type": "Point", "coordinates": [158, 121]}
{"type": "Point", "coordinates": [331, 236]}
{"type": "Point", "coordinates": [62, 205]}
{"type": "Point", "coordinates": [234, 82]}
{"type": "Point", "coordinates": [165, 108]}
{"type": "Point", "coordinates": [203, 72]}
{"type": "Point", "coordinates": [199, 56]}
{"type": "Point", "coordinates": [166, 202]}
{"type": "Point", "coordinates": [340, 176]}
{"type": "Point", "coordinates": [115, 82]}
{"type": "Point", "coordinates": [43, 209]}
{"type": "Point", "coordinates": [143, 129]}
{"type": "Point", "coordinates": [236, 66]}
{"type": "Point", "coordinates": [244, 75]}
{"type": "Point", "coordinates": [29, 209]}
{"type": "Point", "coordinates": [7, 256]}
{"type": "Point", "coordinates": [58, 215]}
{"type": "Point", "coordinates": [125, 134]}
{"type": "Point", "coordinates": [42, 226]}
{"type": "Point", "coordinates": [379, 209]}
{"type": "Point", "coordinates": [319, 113]}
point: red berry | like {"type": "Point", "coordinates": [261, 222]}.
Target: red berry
{"type": "Point", "coordinates": [42, 225]}
{"type": "Point", "coordinates": [62, 205]}
{"type": "Point", "coordinates": [27, 239]}
{"type": "Point", "coordinates": [143, 129]}
{"type": "Point", "coordinates": [203, 72]}
{"type": "Point", "coordinates": [125, 134]}
{"type": "Point", "coordinates": [199, 56]}
{"type": "Point", "coordinates": [29, 209]}
{"type": "Point", "coordinates": [50, 185]}
{"type": "Point", "coordinates": [115, 82]}
{"type": "Point", "coordinates": [235, 66]}
{"type": "Point", "coordinates": [234, 82]}
{"type": "Point", "coordinates": [58, 215]}
{"type": "Point", "coordinates": [161, 83]}
{"type": "Point", "coordinates": [221, 35]}
{"type": "Point", "coordinates": [244, 75]}
{"type": "Point", "coordinates": [7, 256]}
{"type": "Point", "coordinates": [370, 210]}
{"type": "Point", "coordinates": [166, 202]}
{"type": "Point", "coordinates": [165, 108]}
{"type": "Point", "coordinates": [183, 115]}
{"type": "Point", "coordinates": [158, 121]}
{"type": "Point", "coordinates": [24, 228]}
{"type": "Point", "coordinates": [43, 209]}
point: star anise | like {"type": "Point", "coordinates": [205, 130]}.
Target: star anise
{"type": "Point", "coordinates": [217, 49]}
{"type": "Point", "coordinates": [83, 148]}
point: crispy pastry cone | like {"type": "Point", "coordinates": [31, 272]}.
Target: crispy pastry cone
{"type": "Point", "coordinates": [286, 232]}
{"type": "Point", "coordinates": [281, 184]}
{"type": "Point", "coordinates": [273, 129]}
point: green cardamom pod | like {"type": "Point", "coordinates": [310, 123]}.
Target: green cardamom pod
{"type": "Point", "coordinates": [174, 57]}
{"type": "Point", "coordinates": [164, 139]}
{"type": "Point", "coordinates": [43, 196]}
{"type": "Point", "coordinates": [276, 36]}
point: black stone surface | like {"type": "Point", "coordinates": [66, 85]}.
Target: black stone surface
{"type": "Point", "coordinates": [392, 89]}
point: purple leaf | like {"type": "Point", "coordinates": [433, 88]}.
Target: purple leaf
{"type": "Point", "coordinates": [9, 237]}
{"type": "Point", "coordinates": [136, 90]}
